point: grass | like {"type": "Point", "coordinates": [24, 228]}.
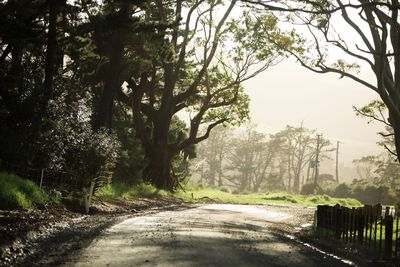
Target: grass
{"type": "Point", "coordinates": [199, 193]}
{"type": "Point", "coordinates": [16, 192]}
{"type": "Point", "coordinates": [121, 190]}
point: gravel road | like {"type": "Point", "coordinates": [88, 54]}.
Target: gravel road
{"type": "Point", "coordinates": [207, 235]}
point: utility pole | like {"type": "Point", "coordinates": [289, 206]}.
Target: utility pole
{"type": "Point", "coordinates": [337, 162]}
{"type": "Point", "coordinates": [317, 163]}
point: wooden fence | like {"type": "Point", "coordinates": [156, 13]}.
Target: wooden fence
{"type": "Point", "coordinates": [367, 226]}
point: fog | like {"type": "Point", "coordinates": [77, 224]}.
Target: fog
{"type": "Point", "coordinates": [289, 94]}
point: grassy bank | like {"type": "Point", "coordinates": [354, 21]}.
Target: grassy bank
{"type": "Point", "coordinates": [207, 194]}
{"type": "Point", "coordinates": [120, 190]}
{"type": "Point", "coordinates": [264, 198]}
{"type": "Point", "coordinates": [16, 192]}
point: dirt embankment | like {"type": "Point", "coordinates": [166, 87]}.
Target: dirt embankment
{"type": "Point", "coordinates": [29, 237]}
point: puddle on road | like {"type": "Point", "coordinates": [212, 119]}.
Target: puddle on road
{"type": "Point", "coordinates": [348, 262]}
{"type": "Point", "coordinates": [255, 211]}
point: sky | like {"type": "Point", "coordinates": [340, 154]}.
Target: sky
{"type": "Point", "coordinates": [289, 94]}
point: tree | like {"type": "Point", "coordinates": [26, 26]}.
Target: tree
{"type": "Point", "coordinates": [376, 111]}
{"type": "Point", "coordinates": [46, 88]}
{"type": "Point", "coordinates": [187, 68]}
{"type": "Point", "coordinates": [212, 152]}
{"type": "Point", "coordinates": [374, 42]}
{"type": "Point", "coordinates": [247, 159]}
{"type": "Point", "coordinates": [298, 143]}
{"type": "Point", "coordinates": [385, 166]}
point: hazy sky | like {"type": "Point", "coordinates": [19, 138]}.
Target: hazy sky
{"type": "Point", "coordinates": [288, 94]}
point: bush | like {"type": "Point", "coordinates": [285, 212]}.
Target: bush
{"type": "Point", "coordinates": [16, 192]}
{"type": "Point", "coordinates": [307, 189]}
{"type": "Point", "coordinates": [367, 193]}
{"type": "Point", "coordinates": [342, 190]}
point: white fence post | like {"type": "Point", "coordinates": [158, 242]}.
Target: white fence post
{"type": "Point", "coordinates": [86, 199]}
{"type": "Point", "coordinates": [41, 178]}
{"type": "Point", "coordinates": [87, 195]}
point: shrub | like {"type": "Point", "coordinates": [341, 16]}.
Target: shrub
{"type": "Point", "coordinates": [342, 190]}
{"type": "Point", "coordinates": [16, 192]}
{"type": "Point", "coordinates": [307, 189]}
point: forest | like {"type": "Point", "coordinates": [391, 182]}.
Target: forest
{"type": "Point", "coordinates": [106, 85]}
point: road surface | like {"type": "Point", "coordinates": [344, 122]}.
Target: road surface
{"type": "Point", "coordinates": [206, 235]}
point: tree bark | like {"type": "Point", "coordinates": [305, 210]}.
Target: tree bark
{"type": "Point", "coordinates": [51, 57]}
{"type": "Point", "coordinates": [111, 84]}
{"type": "Point", "coordinates": [158, 171]}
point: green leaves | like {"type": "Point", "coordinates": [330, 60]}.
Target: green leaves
{"type": "Point", "coordinates": [342, 65]}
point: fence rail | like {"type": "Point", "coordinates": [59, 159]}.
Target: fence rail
{"type": "Point", "coordinates": [368, 226]}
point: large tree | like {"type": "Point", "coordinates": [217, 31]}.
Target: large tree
{"type": "Point", "coordinates": [195, 66]}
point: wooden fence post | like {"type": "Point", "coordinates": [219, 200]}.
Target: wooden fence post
{"type": "Point", "coordinates": [338, 221]}
{"type": "Point", "coordinates": [388, 235]}
{"type": "Point", "coordinates": [360, 225]}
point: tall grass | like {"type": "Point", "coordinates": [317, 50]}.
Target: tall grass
{"type": "Point", "coordinates": [16, 192]}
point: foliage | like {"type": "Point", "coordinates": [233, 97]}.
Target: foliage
{"type": "Point", "coordinates": [307, 189]}
{"type": "Point", "coordinates": [16, 192]}
{"type": "Point", "coordinates": [367, 193]}
{"type": "Point", "coordinates": [130, 156]}
{"type": "Point", "coordinates": [74, 145]}
{"type": "Point", "coordinates": [249, 158]}
{"type": "Point", "coordinates": [212, 153]}
{"type": "Point", "coordinates": [342, 190]}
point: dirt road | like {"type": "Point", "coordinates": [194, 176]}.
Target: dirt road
{"type": "Point", "coordinates": [206, 235]}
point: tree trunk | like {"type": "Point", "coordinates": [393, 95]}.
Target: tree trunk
{"type": "Point", "coordinates": [160, 155]}
{"type": "Point", "coordinates": [158, 170]}
{"type": "Point", "coordinates": [289, 175]}
{"type": "Point", "coordinates": [51, 56]}
{"type": "Point", "coordinates": [296, 182]}
{"type": "Point", "coordinates": [308, 170]}
{"type": "Point", "coordinates": [220, 158]}
{"type": "Point", "coordinates": [396, 128]}
{"type": "Point", "coordinates": [111, 82]}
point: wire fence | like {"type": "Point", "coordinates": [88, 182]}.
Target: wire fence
{"type": "Point", "coordinates": [48, 178]}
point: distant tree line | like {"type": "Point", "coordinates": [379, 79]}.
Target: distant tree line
{"type": "Point", "coordinates": [251, 161]}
